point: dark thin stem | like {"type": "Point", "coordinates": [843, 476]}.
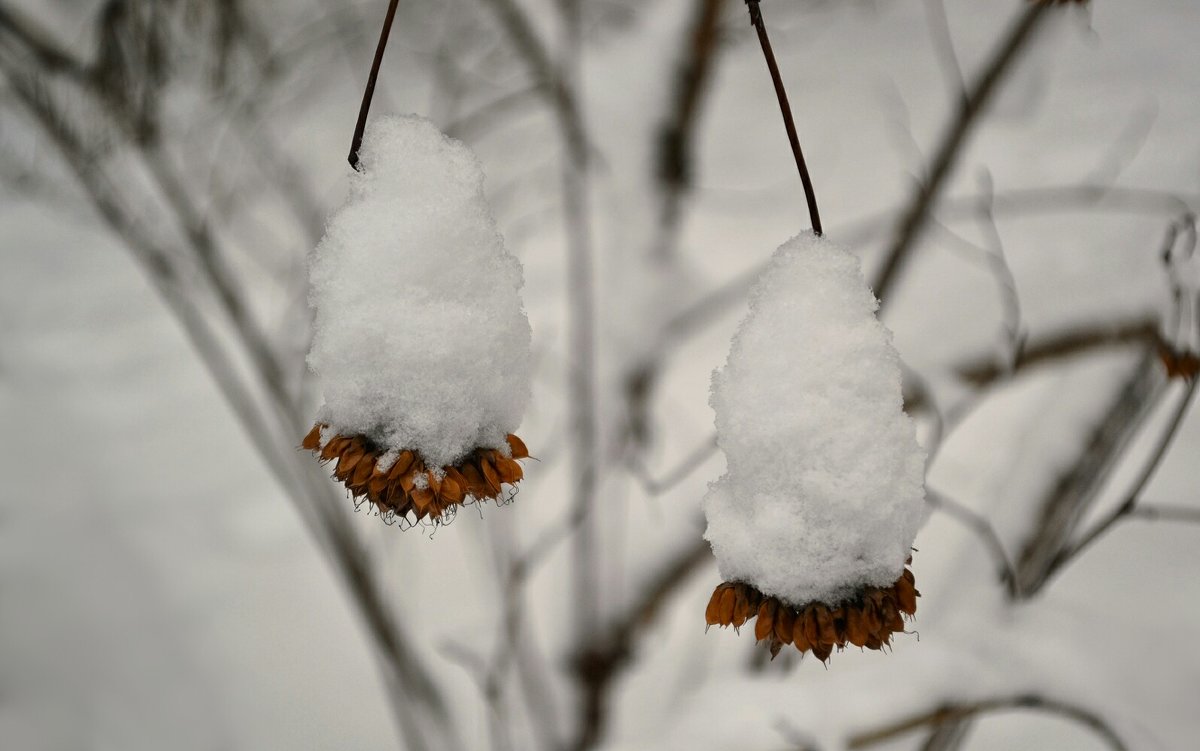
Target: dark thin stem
{"type": "Point", "coordinates": [369, 92]}
{"type": "Point", "coordinates": [809, 194]}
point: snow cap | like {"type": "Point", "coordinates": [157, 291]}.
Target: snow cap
{"type": "Point", "coordinates": [421, 340]}
{"type": "Point", "coordinates": [825, 483]}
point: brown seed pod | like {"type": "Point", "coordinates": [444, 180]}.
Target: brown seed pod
{"type": "Point", "coordinates": [822, 651]}
{"type": "Point", "coordinates": [869, 619]}
{"type": "Point", "coordinates": [516, 447]}
{"type": "Point", "coordinates": [476, 486]}
{"type": "Point", "coordinates": [363, 470]}
{"type": "Point", "coordinates": [490, 476]}
{"type": "Point", "coordinates": [826, 633]}
{"type": "Point", "coordinates": [906, 596]}
{"type": "Point", "coordinates": [435, 482]}
{"type": "Point", "coordinates": [422, 500]}
{"type": "Point", "coordinates": [870, 616]}
{"type": "Point", "coordinates": [404, 462]}
{"type": "Point", "coordinates": [812, 631]}
{"type": "Point", "coordinates": [452, 492]}
{"type": "Point", "coordinates": [742, 611]}
{"type": "Point", "coordinates": [765, 625]}
{"type": "Point", "coordinates": [334, 448]}
{"type": "Point", "coordinates": [348, 461]}
{"type": "Point", "coordinates": [800, 633]}
{"type": "Point", "coordinates": [509, 471]}
{"type": "Point", "coordinates": [856, 630]}
{"type": "Point", "coordinates": [725, 609]}
{"type": "Point", "coordinates": [785, 621]}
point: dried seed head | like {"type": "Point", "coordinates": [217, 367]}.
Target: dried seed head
{"type": "Point", "coordinates": [868, 620]}
{"type": "Point", "coordinates": [765, 625]}
{"type": "Point", "coordinates": [407, 487]}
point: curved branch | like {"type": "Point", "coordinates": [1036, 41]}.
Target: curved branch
{"type": "Point", "coordinates": [979, 524]}
{"type": "Point", "coordinates": [958, 712]}
{"type": "Point", "coordinates": [974, 104]}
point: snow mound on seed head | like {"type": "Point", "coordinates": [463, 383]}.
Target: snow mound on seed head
{"type": "Point", "coordinates": [825, 482]}
{"type": "Point", "coordinates": [420, 337]}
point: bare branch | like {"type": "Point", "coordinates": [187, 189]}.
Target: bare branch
{"type": "Point", "coordinates": [1129, 505]}
{"type": "Point", "coordinates": [51, 57]}
{"type": "Point", "coordinates": [1061, 345]}
{"type": "Point", "coordinates": [693, 461]}
{"type": "Point", "coordinates": [258, 400]}
{"type": "Point", "coordinates": [1076, 489]}
{"type": "Point", "coordinates": [550, 80]}
{"type": "Point", "coordinates": [979, 524]}
{"type": "Point", "coordinates": [1010, 300]}
{"type": "Point", "coordinates": [956, 713]}
{"type": "Point", "coordinates": [974, 104]}
{"type": "Point", "coordinates": [676, 132]}
{"type": "Point", "coordinates": [1166, 513]}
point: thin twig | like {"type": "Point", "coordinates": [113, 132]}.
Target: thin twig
{"type": "Point", "coordinates": [1066, 501]}
{"type": "Point", "coordinates": [1129, 505]}
{"type": "Point", "coordinates": [369, 92]}
{"type": "Point", "coordinates": [1060, 345]}
{"type": "Point", "coordinates": [943, 45]}
{"type": "Point", "coordinates": [973, 105]}
{"type": "Point", "coordinates": [676, 132]}
{"type": "Point", "coordinates": [979, 524]}
{"type": "Point", "coordinates": [693, 71]}
{"type": "Point", "coordinates": [1010, 299]}
{"type": "Point", "coordinates": [551, 81]}
{"type": "Point", "coordinates": [952, 713]}
{"type": "Point", "coordinates": [789, 123]}
{"type": "Point", "coordinates": [690, 463]}
{"type": "Point", "coordinates": [1166, 513]}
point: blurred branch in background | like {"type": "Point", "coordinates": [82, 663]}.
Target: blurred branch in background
{"type": "Point", "coordinates": [954, 713]}
{"type": "Point", "coordinates": [974, 104]}
{"type": "Point", "coordinates": [106, 117]}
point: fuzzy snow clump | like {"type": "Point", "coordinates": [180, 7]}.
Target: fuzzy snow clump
{"type": "Point", "coordinates": [421, 339]}
{"type": "Point", "coordinates": [825, 482]}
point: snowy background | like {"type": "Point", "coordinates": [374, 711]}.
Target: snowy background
{"type": "Point", "coordinates": [159, 587]}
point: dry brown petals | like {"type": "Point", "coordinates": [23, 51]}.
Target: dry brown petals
{"type": "Point", "coordinates": [868, 620]}
{"type": "Point", "coordinates": [407, 488]}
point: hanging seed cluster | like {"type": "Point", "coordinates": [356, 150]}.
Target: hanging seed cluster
{"type": "Point", "coordinates": [406, 485]}
{"type": "Point", "coordinates": [868, 621]}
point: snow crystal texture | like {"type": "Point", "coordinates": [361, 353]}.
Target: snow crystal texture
{"type": "Point", "coordinates": [421, 340]}
{"type": "Point", "coordinates": [825, 483]}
